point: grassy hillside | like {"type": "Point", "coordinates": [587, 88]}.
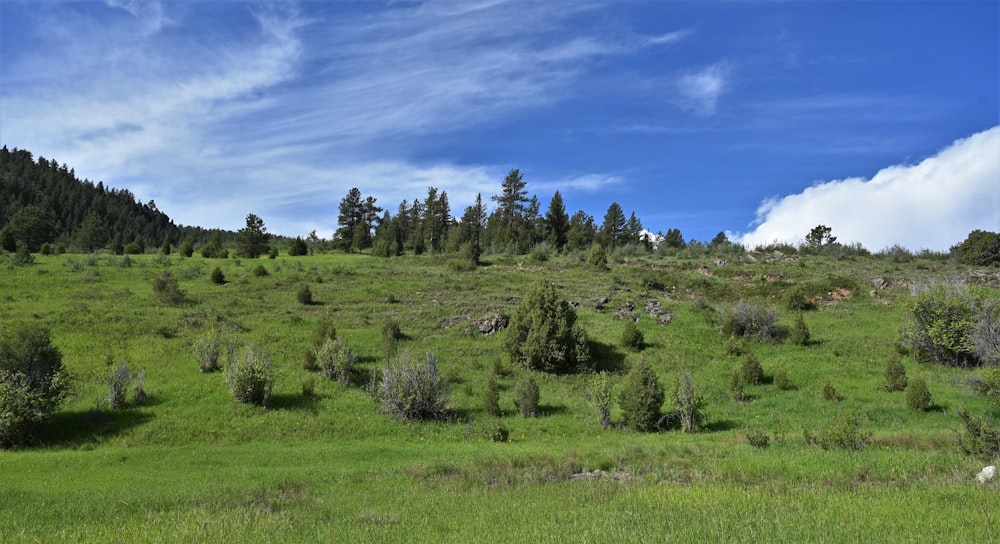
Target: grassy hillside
{"type": "Point", "coordinates": [189, 463]}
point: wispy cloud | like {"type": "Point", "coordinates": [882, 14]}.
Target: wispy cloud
{"type": "Point", "coordinates": [150, 14]}
{"type": "Point", "coordinates": [700, 90]}
{"type": "Point", "coordinates": [279, 111]}
{"type": "Point", "coordinates": [933, 204]}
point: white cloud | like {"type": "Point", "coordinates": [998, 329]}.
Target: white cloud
{"type": "Point", "coordinates": [700, 91]}
{"type": "Point", "coordinates": [930, 205]}
{"type": "Point", "coordinates": [149, 13]}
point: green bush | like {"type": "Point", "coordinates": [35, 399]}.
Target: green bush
{"type": "Point", "coordinates": [167, 290]}
{"type": "Point", "coordinates": [526, 397]}
{"type": "Point", "coordinates": [491, 397]}
{"type": "Point", "coordinates": [736, 384]}
{"type": "Point", "coordinates": [641, 396]}
{"type": "Point", "coordinates": [688, 404]}
{"type": "Point", "coordinates": [799, 335]}
{"type": "Point", "coordinates": [304, 295]}
{"type": "Point", "coordinates": [980, 436]}
{"type": "Point", "coordinates": [954, 325]}
{"type": "Point", "coordinates": [830, 393]}
{"type": "Point", "coordinates": [214, 350]}
{"type": "Point", "coordinates": [251, 377]}
{"type": "Point", "coordinates": [33, 381]}
{"type": "Point", "coordinates": [597, 258]}
{"type": "Point", "coordinates": [918, 397]}
{"type": "Point", "coordinates": [751, 371]}
{"type": "Point", "coordinates": [412, 390]}
{"type": "Point", "coordinates": [895, 375]}
{"type": "Point", "coordinates": [751, 320]}
{"type": "Point", "coordinates": [980, 248]}
{"type": "Point", "coordinates": [632, 337]}
{"type": "Point", "coordinates": [843, 433]}
{"type": "Point", "coordinates": [600, 396]}
{"type": "Point", "coordinates": [119, 380]}
{"type": "Point", "coordinates": [543, 334]}
{"type": "Point", "coordinates": [782, 382]}
{"type": "Point", "coordinates": [336, 360]}
{"type": "Point", "coordinates": [756, 437]}
{"type": "Point", "coordinates": [218, 277]}
{"type": "Point", "coordinates": [987, 382]}
{"type": "Point", "coordinates": [259, 271]}
{"type": "Point", "coordinates": [796, 299]}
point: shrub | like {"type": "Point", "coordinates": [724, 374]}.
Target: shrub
{"type": "Point", "coordinates": [119, 380]}
{"type": "Point", "coordinates": [953, 325]}
{"type": "Point", "coordinates": [308, 387]}
{"type": "Point", "coordinates": [799, 334]}
{"type": "Point", "coordinates": [491, 397]}
{"type": "Point", "coordinates": [304, 295]}
{"type": "Point", "coordinates": [526, 397]}
{"type": "Point", "coordinates": [688, 404]}
{"type": "Point", "coordinates": [736, 391]}
{"type": "Point", "coordinates": [251, 377]}
{"type": "Point", "coordinates": [139, 387]}
{"type": "Point", "coordinates": [259, 271]}
{"type": "Point", "coordinates": [641, 397]}
{"type": "Point", "coordinates": [632, 337]}
{"type": "Point", "coordinates": [987, 382]}
{"type": "Point", "coordinates": [600, 396]}
{"type": "Point", "coordinates": [918, 397]}
{"type": "Point", "coordinates": [797, 300]}
{"type": "Point", "coordinates": [597, 258]}
{"type": "Point", "coordinates": [751, 320]}
{"type": "Point", "coordinates": [751, 371]}
{"type": "Point", "coordinates": [782, 382]}
{"type": "Point", "coordinates": [187, 248]}
{"type": "Point", "coordinates": [167, 290]}
{"type": "Point", "coordinates": [336, 360]}
{"type": "Point", "coordinates": [214, 350]}
{"type": "Point", "coordinates": [218, 277]}
{"type": "Point", "coordinates": [981, 436]}
{"type": "Point", "coordinates": [22, 255]}
{"type": "Point", "coordinates": [980, 248]}
{"type": "Point", "coordinates": [412, 390]}
{"type": "Point", "coordinates": [33, 381]}
{"type": "Point", "coordinates": [540, 253]}
{"type": "Point", "coordinates": [543, 334]}
{"type": "Point", "coordinates": [843, 433]}
{"type": "Point", "coordinates": [895, 375]}
{"type": "Point", "coordinates": [756, 437]}
{"type": "Point", "coordinates": [830, 393]}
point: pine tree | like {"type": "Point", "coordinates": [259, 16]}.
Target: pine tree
{"type": "Point", "coordinates": [252, 240]}
{"type": "Point", "coordinates": [510, 207]}
{"type": "Point", "coordinates": [556, 222]}
{"type": "Point", "coordinates": [349, 219]}
{"type": "Point", "coordinates": [613, 229]}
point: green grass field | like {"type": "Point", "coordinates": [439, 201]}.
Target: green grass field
{"type": "Point", "coordinates": [189, 464]}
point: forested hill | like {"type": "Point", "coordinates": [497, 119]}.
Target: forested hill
{"type": "Point", "coordinates": [42, 202]}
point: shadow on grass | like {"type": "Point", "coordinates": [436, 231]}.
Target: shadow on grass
{"type": "Point", "coordinates": [293, 401]}
{"type": "Point", "coordinates": [551, 410]}
{"type": "Point", "coordinates": [605, 357]}
{"type": "Point", "coordinates": [73, 428]}
{"type": "Point", "coordinates": [717, 425]}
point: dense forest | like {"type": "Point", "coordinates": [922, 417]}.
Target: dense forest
{"type": "Point", "coordinates": [44, 203]}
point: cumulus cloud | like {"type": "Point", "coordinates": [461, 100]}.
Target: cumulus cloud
{"type": "Point", "coordinates": [933, 204]}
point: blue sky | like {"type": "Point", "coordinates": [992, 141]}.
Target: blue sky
{"type": "Point", "coordinates": [761, 119]}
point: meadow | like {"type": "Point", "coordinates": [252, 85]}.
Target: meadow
{"type": "Point", "coordinates": [188, 463]}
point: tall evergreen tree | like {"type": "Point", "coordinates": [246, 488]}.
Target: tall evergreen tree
{"type": "Point", "coordinates": [633, 229]}
{"type": "Point", "coordinates": [556, 222]}
{"type": "Point", "coordinates": [252, 240]}
{"type": "Point", "coordinates": [613, 228]}
{"type": "Point", "coordinates": [349, 219]}
{"type": "Point", "coordinates": [582, 231]}
{"type": "Point", "coordinates": [473, 224]}
{"type": "Point", "coordinates": [510, 207]}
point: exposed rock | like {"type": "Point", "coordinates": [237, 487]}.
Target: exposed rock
{"type": "Point", "coordinates": [881, 283]}
{"type": "Point", "coordinates": [625, 311]}
{"type": "Point", "coordinates": [987, 474]}
{"type": "Point", "coordinates": [601, 303]}
{"type": "Point", "coordinates": [721, 262]}
{"type": "Point", "coordinates": [491, 324]}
